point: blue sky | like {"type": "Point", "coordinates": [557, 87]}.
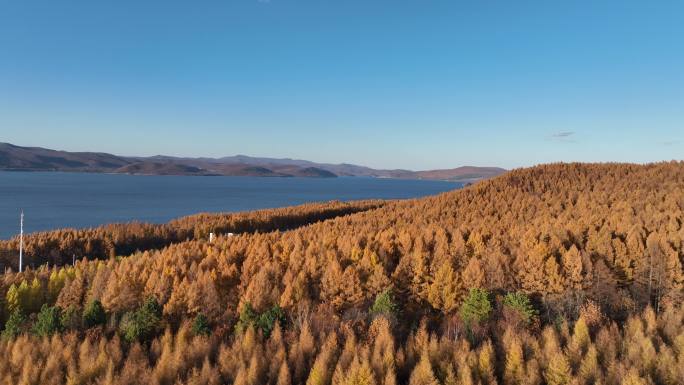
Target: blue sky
{"type": "Point", "coordinates": [416, 84]}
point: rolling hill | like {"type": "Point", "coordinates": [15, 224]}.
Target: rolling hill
{"type": "Point", "coordinates": [18, 158]}
{"type": "Point", "coordinates": [158, 168]}
{"type": "Point", "coordinates": [35, 158]}
{"type": "Point", "coordinates": [562, 274]}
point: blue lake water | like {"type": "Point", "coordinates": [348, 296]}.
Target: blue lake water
{"type": "Point", "coordinates": [52, 200]}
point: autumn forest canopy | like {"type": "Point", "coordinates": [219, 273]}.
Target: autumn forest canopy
{"type": "Point", "coordinates": [556, 274]}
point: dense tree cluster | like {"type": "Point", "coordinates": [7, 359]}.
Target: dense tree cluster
{"type": "Point", "coordinates": [558, 274]}
{"type": "Point", "coordinates": [62, 246]}
{"type": "Point", "coordinates": [645, 349]}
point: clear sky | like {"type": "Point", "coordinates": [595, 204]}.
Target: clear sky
{"type": "Point", "coordinates": [415, 84]}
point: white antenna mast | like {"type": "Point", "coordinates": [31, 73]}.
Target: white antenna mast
{"type": "Point", "coordinates": [21, 241]}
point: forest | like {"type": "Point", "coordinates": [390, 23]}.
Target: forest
{"type": "Point", "coordinates": [556, 274]}
{"type": "Point", "coordinates": [63, 246]}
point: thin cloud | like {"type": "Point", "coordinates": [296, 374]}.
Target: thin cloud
{"type": "Point", "coordinates": [670, 142]}
{"type": "Point", "coordinates": [562, 136]}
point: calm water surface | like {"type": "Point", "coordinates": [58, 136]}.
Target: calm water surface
{"type": "Point", "coordinates": [54, 200]}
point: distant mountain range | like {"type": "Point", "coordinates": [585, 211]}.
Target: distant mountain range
{"type": "Point", "coordinates": [16, 158]}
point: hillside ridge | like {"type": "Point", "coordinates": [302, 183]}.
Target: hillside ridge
{"type": "Point", "coordinates": [17, 158]}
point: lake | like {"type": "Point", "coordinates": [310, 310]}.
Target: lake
{"type": "Point", "coordinates": [54, 200]}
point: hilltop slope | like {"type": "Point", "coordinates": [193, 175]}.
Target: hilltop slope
{"type": "Point", "coordinates": [571, 262]}
{"type": "Point", "coordinates": [543, 230]}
